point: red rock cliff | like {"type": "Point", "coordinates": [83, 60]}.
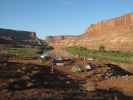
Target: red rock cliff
{"type": "Point", "coordinates": [120, 24]}
{"type": "Point", "coordinates": [115, 33]}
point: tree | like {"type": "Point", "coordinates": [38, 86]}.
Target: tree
{"type": "Point", "coordinates": [45, 47]}
{"type": "Point", "coordinates": [62, 37]}
{"type": "Point", "coordinates": [102, 48]}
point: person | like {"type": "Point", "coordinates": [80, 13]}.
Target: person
{"type": "Point", "coordinates": [53, 61]}
{"type": "Point", "coordinates": [53, 64]}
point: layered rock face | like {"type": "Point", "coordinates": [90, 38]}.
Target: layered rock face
{"type": "Point", "coordinates": [61, 41]}
{"type": "Point", "coordinates": [121, 24]}
{"type": "Point", "coordinates": [59, 38]}
{"type": "Point", "coordinates": [114, 34]}
{"type": "Point", "coordinates": [16, 35]}
{"type": "Point", "coordinates": [14, 38]}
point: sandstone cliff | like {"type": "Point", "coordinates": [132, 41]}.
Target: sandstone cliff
{"type": "Point", "coordinates": [61, 41]}
{"type": "Point", "coordinates": [120, 24]}
{"type": "Point", "coordinates": [114, 34]}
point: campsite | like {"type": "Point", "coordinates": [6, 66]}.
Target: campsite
{"type": "Point", "coordinates": [73, 77]}
{"type": "Point", "coordinates": [66, 50]}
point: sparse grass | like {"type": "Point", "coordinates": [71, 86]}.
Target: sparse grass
{"type": "Point", "coordinates": [23, 52]}
{"type": "Point", "coordinates": [117, 56]}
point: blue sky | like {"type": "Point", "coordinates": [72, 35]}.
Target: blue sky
{"type": "Point", "coordinates": [59, 17]}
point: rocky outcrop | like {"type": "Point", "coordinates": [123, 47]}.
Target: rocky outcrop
{"type": "Point", "coordinates": [13, 38]}
{"type": "Point", "coordinates": [63, 37]}
{"type": "Point", "coordinates": [16, 35]}
{"type": "Point", "coordinates": [114, 34]}
{"type": "Point", "coordinates": [61, 41]}
{"type": "Point", "coordinates": [120, 24]}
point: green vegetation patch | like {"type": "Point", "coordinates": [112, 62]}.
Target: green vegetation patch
{"type": "Point", "coordinates": [23, 52]}
{"type": "Point", "coordinates": [117, 56]}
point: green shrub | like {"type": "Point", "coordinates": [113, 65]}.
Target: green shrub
{"type": "Point", "coordinates": [102, 48]}
{"type": "Point", "coordinates": [117, 56]}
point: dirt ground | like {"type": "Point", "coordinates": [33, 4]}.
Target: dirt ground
{"type": "Point", "coordinates": [32, 79]}
{"type": "Point", "coordinates": [20, 81]}
{"type": "Point", "coordinates": [122, 84]}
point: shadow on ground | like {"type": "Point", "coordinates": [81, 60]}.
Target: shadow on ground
{"type": "Point", "coordinates": [34, 82]}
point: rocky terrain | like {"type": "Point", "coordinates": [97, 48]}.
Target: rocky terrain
{"type": "Point", "coordinates": [59, 38]}
{"type": "Point", "coordinates": [29, 77]}
{"type": "Point", "coordinates": [61, 41]}
{"type": "Point", "coordinates": [21, 81]}
{"type": "Point", "coordinates": [15, 38]}
{"type": "Point", "coordinates": [115, 34]}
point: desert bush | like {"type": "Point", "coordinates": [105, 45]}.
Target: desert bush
{"type": "Point", "coordinates": [102, 48]}
{"type": "Point", "coordinates": [45, 47]}
{"type": "Point", "coordinates": [101, 54]}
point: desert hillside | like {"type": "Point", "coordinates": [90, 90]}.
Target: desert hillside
{"type": "Point", "coordinates": [115, 34]}
{"type": "Point", "coordinates": [14, 38]}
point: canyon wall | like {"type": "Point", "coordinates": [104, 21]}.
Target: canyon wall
{"type": "Point", "coordinates": [114, 34]}
{"type": "Point", "coordinates": [15, 38]}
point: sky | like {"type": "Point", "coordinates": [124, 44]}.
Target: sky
{"type": "Point", "coordinates": [59, 17]}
